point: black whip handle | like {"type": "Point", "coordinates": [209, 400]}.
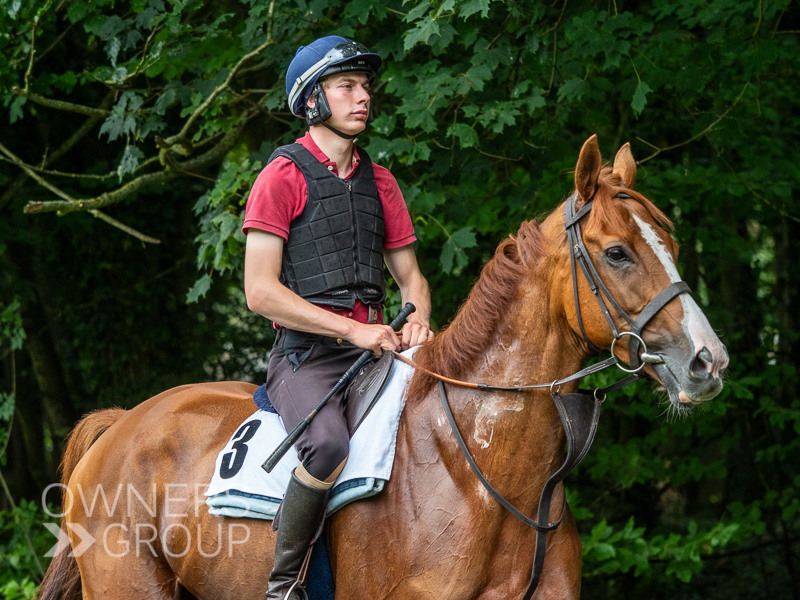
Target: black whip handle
{"type": "Point", "coordinates": [290, 439]}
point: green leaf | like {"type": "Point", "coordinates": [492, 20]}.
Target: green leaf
{"type": "Point", "coordinates": [130, 160]}
{"type": "Point", "coordinates": [76, 11]}
{"type": "Point", "coordinates": [359, 9]}
{"type": "Point", "coordinates": [640, 97]}
{"type": "Point", "coordinates": [573, 89]}
{"type": "Point", "coordinates": [122, 120]}
{"type": "Point", "coordinates": [466, 135]}
{"type": "Point", "coordinates": [470, 7]}
{"type": "Point", "coordinates": [478, 75]}
{"type": "Point", "coordinates": [604, 551]}
{"type": "Point", "coordinates": [13, 9]}
{"type": "Point", "coordinates": [199, 289]}
{"type": "Point", "coordinates": [11, 325]}
{"type": "Point", "coordinates": [7, 404]}
{"type": "Point", "coordinates": [464, 238]}
{"type": "Point", "coordinates": [416, 12]}
{"type": "Point", "coordinates": [421, 33]}
{"type": "Point", "coordinates": [453, 250]}
{"type": "Point", "coordinates": [15, 110]}
{"type": "Point", "coordinates": [447, 255]}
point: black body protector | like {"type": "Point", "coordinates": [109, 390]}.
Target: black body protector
{"type": "Point", "coordinates": [334, 254]}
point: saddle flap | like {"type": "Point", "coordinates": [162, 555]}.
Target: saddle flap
{"type": "Point", "coordinates": [364, 389]}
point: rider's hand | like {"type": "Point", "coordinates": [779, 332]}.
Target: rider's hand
{"type": "Point", "coordinates": [414, 334]}
{"type": "Point", "coordinates": [378, 338]}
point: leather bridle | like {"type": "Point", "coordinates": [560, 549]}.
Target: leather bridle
{"type": "Point", "coordinates": [580, 411]}
{"type": "Point", "coordinates": [578, 254]}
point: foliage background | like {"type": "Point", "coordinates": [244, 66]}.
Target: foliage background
{"type": "Point", "coordinates": [134, 121]}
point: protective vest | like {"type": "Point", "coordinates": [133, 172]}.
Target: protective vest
{"type": "Point", "coordinates": [334, 254]}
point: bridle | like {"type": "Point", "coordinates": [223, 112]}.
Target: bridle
{"type": "Point", "coordinates": [579, 254]}
{"type": "Point", "coordinates": [580, 411]}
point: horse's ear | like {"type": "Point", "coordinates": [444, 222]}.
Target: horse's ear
{"type": "Point", "coordinates": [625, 166]}
{"type": "Point", "coordinates": [587, 171]}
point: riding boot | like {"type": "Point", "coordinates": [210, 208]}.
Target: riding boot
{"type": "Point", "coordinates": [301, 512]}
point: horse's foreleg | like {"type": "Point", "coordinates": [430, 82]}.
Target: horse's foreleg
{"type": "Point", "coordinates": [561, 574]}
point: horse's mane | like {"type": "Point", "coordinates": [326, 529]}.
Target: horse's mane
{"type": "Point", "coordinates": [455, 349]}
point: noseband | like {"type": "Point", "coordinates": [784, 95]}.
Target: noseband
{"type": "Point", "coordinates": [580, 411]}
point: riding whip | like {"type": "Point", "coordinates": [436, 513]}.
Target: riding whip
{"type": "Point", "coordinates": [290, 439]}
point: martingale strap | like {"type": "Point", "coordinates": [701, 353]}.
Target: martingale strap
{"type": "Point", "coordinates": [580, 414]}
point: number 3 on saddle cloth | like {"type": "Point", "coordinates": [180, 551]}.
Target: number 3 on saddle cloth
{"type": "Point", "coordinates": [241, 488]}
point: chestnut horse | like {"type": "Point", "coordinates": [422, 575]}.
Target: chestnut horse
{"type": "Point", "coordinates": [134, 480]}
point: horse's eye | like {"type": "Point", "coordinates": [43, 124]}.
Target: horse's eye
{"type": "Point", "coordinates": [617, 254]}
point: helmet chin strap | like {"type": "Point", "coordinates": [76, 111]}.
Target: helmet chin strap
{"type": "Point", "coordinates": [341, 134]}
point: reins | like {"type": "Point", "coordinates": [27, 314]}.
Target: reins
{"type": "Point", "coordinates": [580, 411]}
{"type": "Point", "coordinates": [595, 368]}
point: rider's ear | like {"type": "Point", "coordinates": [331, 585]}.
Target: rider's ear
{"type": "Point", "coordinates": [587, 172]}
{"type": "Point", "coordinates": [625, 166]}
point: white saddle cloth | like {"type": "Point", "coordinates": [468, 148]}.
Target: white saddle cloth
{"type": "Point", "coordinates": [252, 492]}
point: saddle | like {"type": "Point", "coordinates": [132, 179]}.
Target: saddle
{"type": "Point", "coordinates": [364, 389]}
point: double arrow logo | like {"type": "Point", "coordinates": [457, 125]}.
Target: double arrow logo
{"type": "Point", "coordinates": [86, 539]}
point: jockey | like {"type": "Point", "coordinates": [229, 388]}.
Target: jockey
{"type": "Point", "coordinates": [321, 221]}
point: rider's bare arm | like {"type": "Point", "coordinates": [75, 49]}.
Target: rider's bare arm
{"type": "Point", "coordinates": [267, 296]}
{"type": "Point", "coordinates": [402, 263]}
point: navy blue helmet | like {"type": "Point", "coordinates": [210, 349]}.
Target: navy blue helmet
{"type": "Point", "coordinates": [326, 56]}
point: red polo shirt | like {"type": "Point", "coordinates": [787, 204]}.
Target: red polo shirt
{"type": "Point", "coordinates": [279, 196]}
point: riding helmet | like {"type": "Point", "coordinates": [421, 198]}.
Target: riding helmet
{"type": "Point", "coordinates": [326, 56]}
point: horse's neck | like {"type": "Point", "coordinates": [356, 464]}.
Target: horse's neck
{"type": "Point", "coordinates": [516, 437]}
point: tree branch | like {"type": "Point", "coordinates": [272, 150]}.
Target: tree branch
{"type": "Point", "coordinates": [83, 130]}
{"type": "Point", "coordinates": [122, 227]}
{"type": "Point", "coordinates": [781, 210]}
{"type": "Point", "coordinates": [694, 137]}
{"type": "Point", "coordinates": [64, 174]}
{"type": "Point", "coordinates": [223, 86]}
{"type": "Point", "coordinates": [57, 40]}
{"type": "Point", "coordinates": [69, 200]}
{"type": "Point", "coordinates": [33, 175]}
{"type": "Point", "coordinates": [38, 16]}
{"type": "Point", "coordinates": [216, 154]}
{"type": "Point", "coordinates": [60, 104]}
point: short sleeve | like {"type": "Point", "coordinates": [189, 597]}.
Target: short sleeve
{"type": "Point", "coordinates": [277, 198]}
{"type": "Point", "coordinates": [399, 229]}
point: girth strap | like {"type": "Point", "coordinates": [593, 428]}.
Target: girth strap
{"type": "Point", "coordinates": [579, 413]}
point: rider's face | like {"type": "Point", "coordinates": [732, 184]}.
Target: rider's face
{"type": "Point", "coordinates": [348, 98]}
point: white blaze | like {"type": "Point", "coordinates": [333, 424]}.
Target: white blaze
{"type": "Point", "coordinates": [695, 324]}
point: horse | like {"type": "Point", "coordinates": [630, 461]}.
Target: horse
{"type": "Point", "coordinates": [133, 481]}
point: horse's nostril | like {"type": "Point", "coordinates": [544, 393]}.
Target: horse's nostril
{"type": "Point", "coordinates": [702, 362]}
